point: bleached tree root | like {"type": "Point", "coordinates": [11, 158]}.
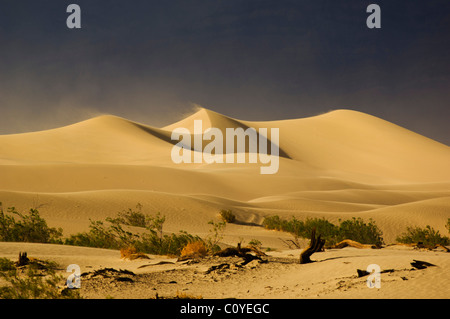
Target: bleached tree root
{"type": "Point", "coordinates": [352, 243]}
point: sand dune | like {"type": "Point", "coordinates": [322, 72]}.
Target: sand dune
{"type": "Point", "coordinates": [337, 165]}
{"type": "Point", "coordinates": [342, 163]}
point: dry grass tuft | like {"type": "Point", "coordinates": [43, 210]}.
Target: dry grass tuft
{"type": "Point", "coordinates": [131, 253]}
{"type": "Point", "coordinates": [196, 249]}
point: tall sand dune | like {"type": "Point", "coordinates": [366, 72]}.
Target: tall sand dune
{"type": "Point", "coordinates": [335, 165]}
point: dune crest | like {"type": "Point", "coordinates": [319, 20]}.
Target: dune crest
{"type": "Point", "coordinates": [341, 143]}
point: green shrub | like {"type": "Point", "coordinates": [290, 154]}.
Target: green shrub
{"type": "Point", "coordinates": [114, 236]}
{"type": "Point", "coordinates": [326, 229]}
{"type": "Point", "coordinates": [354, 229]}
{"type": "Point", "coordinates": [275, 222]}
{"type": "Point", "coordinates": [294, 226]}
{"type": "Point", "coordinates": [108, 234]}
{"type": "Point", "coordinates": [131, 217]}
{"type": "Point", "coordinates": [300, 228]}
{"type": "Point", "coordinates": [215, 235]}
{"type": "Point", "coordinates": [427, 236]}
{"type": "Point", "coordinates": [155, 242]}
{"type": "Point", "coordinates": [30, 228]}
{"type": "Point", "coordinates": [227, 216]}
{"type": "Point", "coordinates": [6, 264]}
{"type": "Point", "coordinates": [100, 236]}
{"type": "Point", "coordinates": [155, 225]}
{"type": "Point", "coordinates": [35, 285]}
{"type": "Point", "coordinates": [171, 244]}
{"type": "Point", "coordinates": [255, 243]}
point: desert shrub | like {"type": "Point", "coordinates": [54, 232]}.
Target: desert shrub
{"type": "Point", "coordinates": [427, 236]}
{"type": "Point", "coordinates": [215, 235]}
{"type": "Point", "coordinates": [29, 228]}
{"type": "Point", "coordinates": [101, 236]}
{"type": "Point", "coordinates": [127, 252]}
{"type": "Point", "coordinates": [227, 216]}
{"type": "Point", "coordinates": [155, 242]}
{"type": "Point", "coordinates": [448, 225]}
{"type": "Point", "coordinates": [255, 243]}
{"type": "Point", "coordinates": [194, 249]}
{"type": "Point", "coordinates": [183, 295]}
{"type": "Point", "coordinates": [114, 236]}
{"type": "Point", "coordinates": [356, 229]}
{"type": "Point", "coordinates": [111, 235]}
{"type": "Point", "coordinates": [179, 295]}
{"type": "Point", "coordinates": [35, 285]}
{"type": "Point", "coordinates": [130, 217]}
{"type": "Point", "coordinates": [166, 245]}
{"type": "Point", "coordinates": [275, 222]}
{"type": "Point", "coordinates": [294, 226]}
{"type": "Point", "coordinates": [299, 228]}
{"type": "Point", "coordinates": [6, 264]}
{"type": "Point", "coordinates": [131, 253]}
{"type": "Point", "coordinates": [326, 229]}
{"type": "Point", "coordinates": [155, 224]}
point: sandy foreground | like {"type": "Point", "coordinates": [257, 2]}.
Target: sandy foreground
{"type": "Point", "coordinates": [337, 165]}
{"type": "Point", "coordinates": [332, 275]}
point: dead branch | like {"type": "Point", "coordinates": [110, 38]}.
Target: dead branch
{"type": "Point", "coordinates": [316, 244]}
{"type": "Point", "coordinates": [362, 273]}
{"type": "Point", "coordinates": [233, 251]}
{"type": "Point", "coordinates": [443, 247]}
{"type": "Point", "coordinates": [243, 252]}
{"type": "Point", "coordinates": [239, 251]}
{"type": "Point", "coordinates": [23, 259]}
{"type": "Point", "coordinates": [352, 243]}
{"type": "Point", "coordinates": [419, 264]}
{"type": "Point", "coordinates": [286, 242]}
{"type": "Point", "coordinates": [419, 245]}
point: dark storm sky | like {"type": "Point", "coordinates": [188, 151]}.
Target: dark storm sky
{"type": "Point", "coordinates": [148, 61]}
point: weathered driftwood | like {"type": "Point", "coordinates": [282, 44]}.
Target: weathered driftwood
{"type": "Point", "coordinates": [107, 273]}
{"type": "Point", "coordinates": [23, 259]}
{"type": "Point", "coordinates": [243, 252]}
{"type": "Point", "coordinates": [352, 243]}
{"type": "Point", "coordinates": [419, 264]}
{"type": "Point", "coordinates": [316, 244]}
{"type": "Point", "coordinates": [430, 247]}
{"type": "Point", "coordinates": [443, 247]}
{"type": "Point", "coordinates": [233, 251]}
{"type": "Point", "coordinates": [362, 273]}
{"type": "Point", "coordinates": [422, 245]}
{"type": "Point", "coordinates": [238, 251]}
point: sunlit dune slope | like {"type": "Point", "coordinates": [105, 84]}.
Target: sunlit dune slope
{"type": "Point", "coordinates": [342, 163]}
{"type": "Point", "coordinates": [104, 139]}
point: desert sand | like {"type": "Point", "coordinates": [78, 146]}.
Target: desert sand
{"type": "Point", "coordinates": [337, 165]}
{"type": "Point", "coordinates": [333, 274]}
